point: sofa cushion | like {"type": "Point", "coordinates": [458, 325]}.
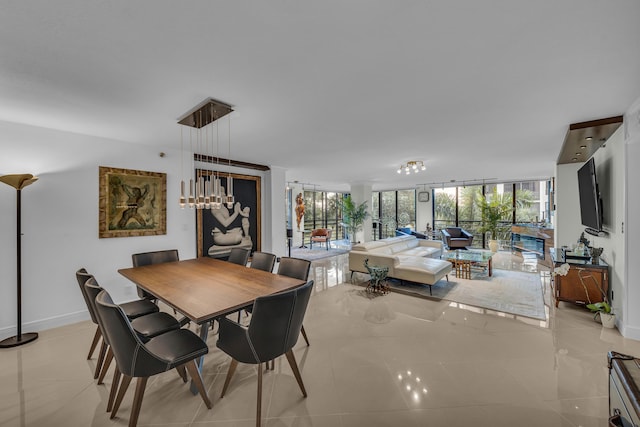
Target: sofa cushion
{"type": "Point", "coordinates": [421, 251]}
{"type": "Point", "coordinates": [454, 232]}
{"type": "Point", "coordinates": [421, 270]}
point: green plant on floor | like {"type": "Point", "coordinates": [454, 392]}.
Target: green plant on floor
{"type": "Point", "coordinates": [596, 307]}
{"type": "Point", "coordinates": [353, 216]}
{"type": "Point", "coordinates": [599, 307]}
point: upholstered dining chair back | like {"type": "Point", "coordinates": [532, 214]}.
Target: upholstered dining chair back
{"type": "Point", "coordinates": [92, 289]}
{"type": "Point", "coordinates": [174, 349]}
{"type": "Point", "coordinates": [294, 267]}
{"type": "Point", "coordinates": [298, 269]}
{"type": "Point", "coordinates": [155, 257]}
{"type": "Point", "coordinates": [239, 256]}
{"type": "Point", "coordinates": [131, 355]}
{"type": "Point", "coordinates": [263, 261]}
{"type": "Point", "coordinates": [149, 258]}
{"type": "Point", "coordinates": [273, 331]}
{"type": "Point", "coordinates": [82, 276]}
{"type": "Point", "coordinates": [276, 321]}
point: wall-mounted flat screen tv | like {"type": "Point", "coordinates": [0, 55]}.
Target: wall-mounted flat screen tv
{"type": "Point", "coordinates": [590, 201]}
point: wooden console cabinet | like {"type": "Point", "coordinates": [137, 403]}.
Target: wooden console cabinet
{"type": "Point", "coordinates": [571, 288]}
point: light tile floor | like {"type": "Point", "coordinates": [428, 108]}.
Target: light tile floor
{"type": "Point", "coordinates": [392, 360]}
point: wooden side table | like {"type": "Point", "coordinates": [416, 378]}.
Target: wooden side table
{"type": "Point", "coordinates": [463, 268]}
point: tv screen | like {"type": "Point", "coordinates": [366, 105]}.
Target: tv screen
{"type": "Point", "coordinates": [590, 204]}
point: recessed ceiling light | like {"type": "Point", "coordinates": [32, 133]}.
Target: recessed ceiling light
{"type": "Point", "coordinates": [583, 146]}
{"type": "Point", "coordinates": [588, 138]}
{"type": "Point", "coordinates": [578, 154]}
{"type": "Point", "coordinates": [574, 159]}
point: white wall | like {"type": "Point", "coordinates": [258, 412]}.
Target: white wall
{"type": "Point", "coordinates": [631, 326]}
{"type": "Point", "coordinates": [609, 160]}
{"type": "Point", "coordinates": [610, 173]}
{"type": "Point", "coordinates": [60, 221]}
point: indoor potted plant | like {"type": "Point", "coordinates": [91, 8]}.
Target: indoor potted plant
{"type": "Point", "coordinates": [353, 216]}
{"type": "Point", "coordinates": [492, 212]}
{"type": "Point", "coordinates": [601, 309]}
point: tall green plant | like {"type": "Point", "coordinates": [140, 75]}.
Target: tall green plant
{"type": "Point", "coordinates": [494, 210]}
{"type": "Point", "coordinates": [353, 216]}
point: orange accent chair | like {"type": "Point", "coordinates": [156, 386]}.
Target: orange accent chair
{"type": "Point", "coordinates": [320, 235]}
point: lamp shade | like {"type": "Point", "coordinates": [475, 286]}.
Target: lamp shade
{"type": "Point", "coordinates": [18, 181]}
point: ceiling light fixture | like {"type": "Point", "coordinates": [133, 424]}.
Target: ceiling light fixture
{"type": "Point", "coordinates": [412, 165]}
{"type": "Point", "coordinates": [207, 191]}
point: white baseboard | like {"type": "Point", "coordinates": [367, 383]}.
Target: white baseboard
{"type": "Point", "coordinates": [44, 324]}
{"type": "Point", "coordinates": [629, 331]}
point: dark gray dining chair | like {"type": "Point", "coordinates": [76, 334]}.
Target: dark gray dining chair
{"type": "Point", "coordinates": [263, 261]}
{"type": "Point", "coordinates": [239, 256]}
{"type": "Point", "coordinates": [149, 258]}
{"type": "Point", "coordinates": [273, 331]}
{"type": "Point", "coordinates": [133, 309]}
{"type": "Point", "coordinates": [298, 269]}
{"type": "Point", "coordinates": [260, 261]}
{"type": "Point", "coordinates": [147, 327]}
{"type": "Point", "coordinates": [137, 359]}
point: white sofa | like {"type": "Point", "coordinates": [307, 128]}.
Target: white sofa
{"type": "Point", "coordinates": [407, 257]}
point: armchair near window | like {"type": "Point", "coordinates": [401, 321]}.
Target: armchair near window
{"type": "Point", "coordinates": [456, 238]}
{"type": "Point", "coordinates": [320, 235]}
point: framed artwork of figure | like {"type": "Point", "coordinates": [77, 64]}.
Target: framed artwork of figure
{"type": "Point", "coordinates": [221, 229]}
{"type": "Point", "coordinates": [131, 203]}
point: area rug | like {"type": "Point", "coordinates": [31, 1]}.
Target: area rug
{"type": "Point", "coordinates": [506, 291]}
{"type": "Point", "coordinates": [315, 254]}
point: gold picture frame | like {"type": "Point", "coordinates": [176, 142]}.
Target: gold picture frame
{"type": "Point", "coordinates": [131, 203]}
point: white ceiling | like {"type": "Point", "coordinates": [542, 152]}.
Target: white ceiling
{"type": "Point", "coordinates": [334, 91]}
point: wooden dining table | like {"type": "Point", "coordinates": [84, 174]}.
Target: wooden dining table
{"type": "Point", "coordinates": [204, 289]}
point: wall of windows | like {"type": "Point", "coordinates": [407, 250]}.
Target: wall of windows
{"type": "Point", "coordinates": [392, 209]}
{"type": "Point", "coordinates": [322, 210]}
{"type": "Point", "coordinates": [458, 206]}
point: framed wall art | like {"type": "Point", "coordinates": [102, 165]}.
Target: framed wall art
{"type": "Point", "coordinates": [220, 230]}
{"type": "Point", "coordinates": [131, 203]}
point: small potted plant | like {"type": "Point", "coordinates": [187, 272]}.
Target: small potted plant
{"type": "Point", "coordinates": [601, 309]}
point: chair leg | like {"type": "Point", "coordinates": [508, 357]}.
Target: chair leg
{"type": "Point", "coordinates": [105, 365]}
{"type": "Point", "coordinates": [304, 335]}
{"type": "Point", "coordinates": [126, 380]}
{"type": "Point", "coordinates": [114, 388]}
{"type": "Point", "coordinates": [232, 369]}
{"type": "Point", "coordinates": [197, 379]}
{"type": "Point", "coordinates": [94, 343]}
{"type": "Point", "coordinates": [259, 403]}
{"type": "Point", "coordinates": [182, 372]}
{"type": "Point", "coordinates": [141, 384]}
{"type": "Point", "coordinates": [103, 351]}
{"type": "Point", "coordinates": [296, 372]}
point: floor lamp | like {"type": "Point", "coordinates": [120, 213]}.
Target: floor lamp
{"type": "Point", "coordinates": [18, 182]}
